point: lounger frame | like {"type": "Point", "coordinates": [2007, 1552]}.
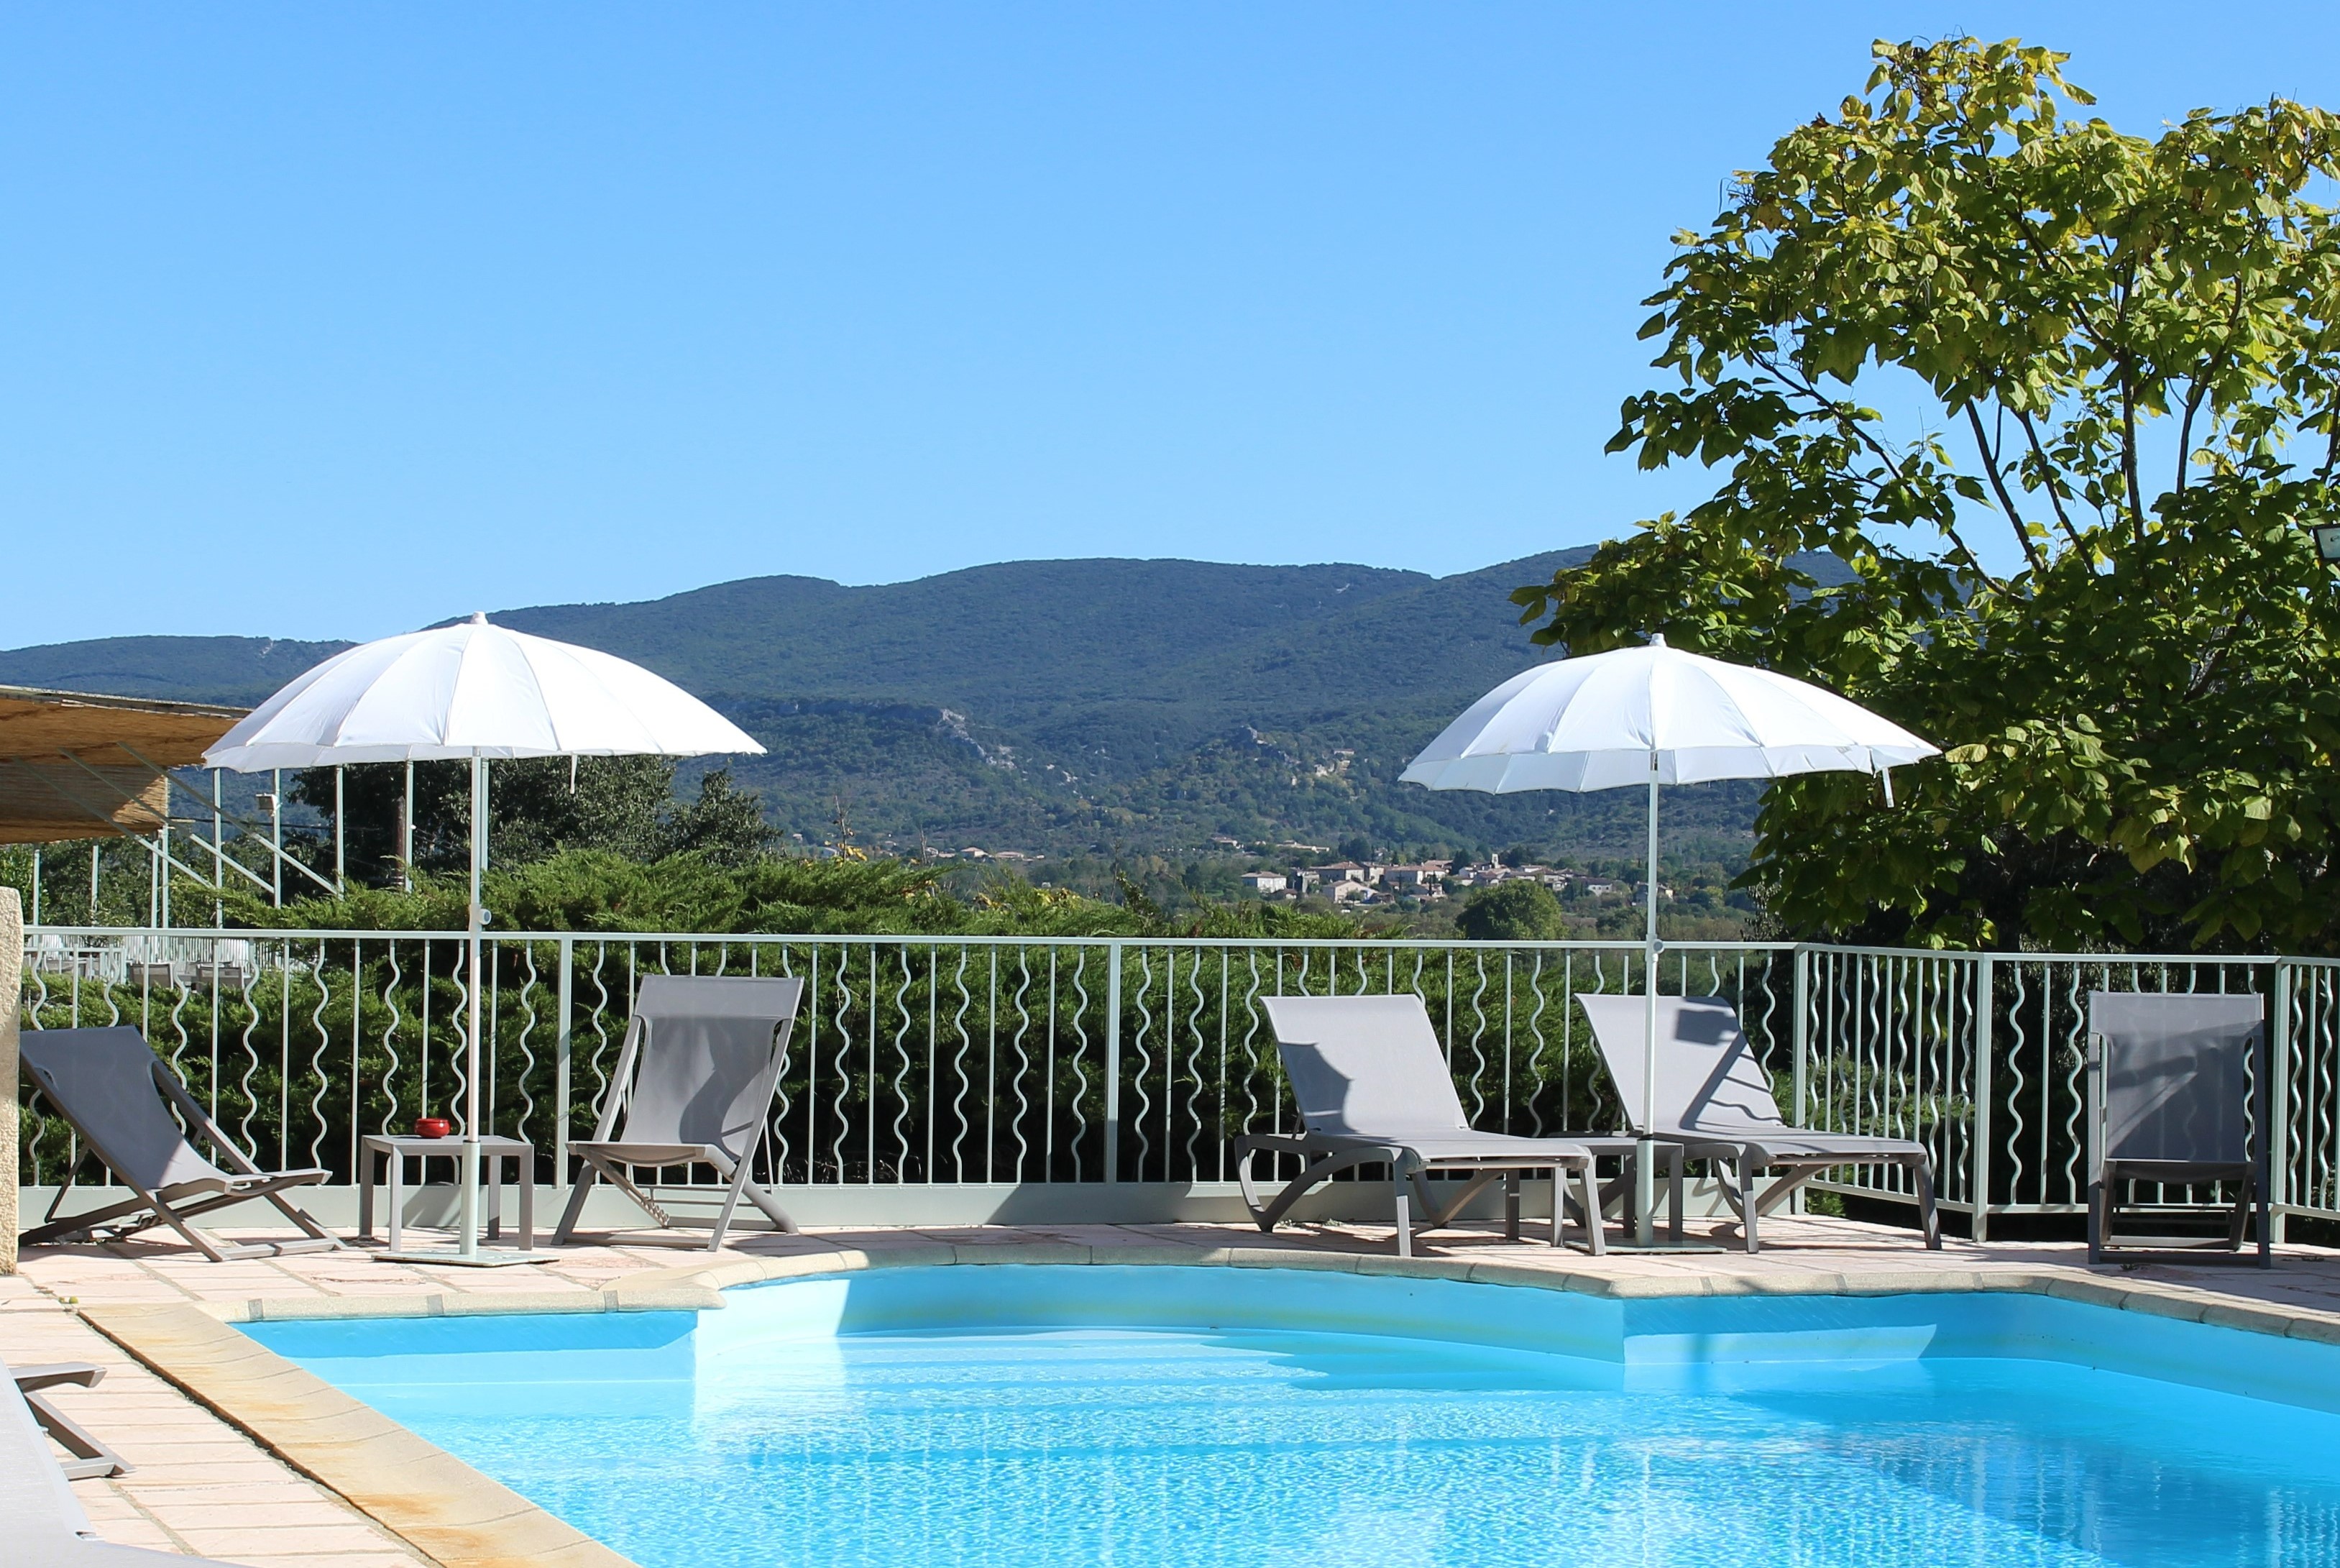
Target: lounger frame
{"type": "Point", "coordinates": [2245, 1022]}
{"type": "Point", "coordinates": [612, 1158]}
{"type": "Point", "coordinates": [1728, 1117]}
{"type": "Point", "coordinates": [1441, 1138]}
{"type": "Point", "coordinates": [180, 1204]}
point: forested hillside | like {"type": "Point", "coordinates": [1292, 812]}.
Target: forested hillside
{"type": "Point", "coordinates": [1094, 707]}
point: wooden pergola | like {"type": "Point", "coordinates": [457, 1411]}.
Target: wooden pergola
{"type": "Point", "coordinates": [74, 765]}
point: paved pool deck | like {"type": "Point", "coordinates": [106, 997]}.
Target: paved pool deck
{"type": "Point", "coordinates": [203, 1485]}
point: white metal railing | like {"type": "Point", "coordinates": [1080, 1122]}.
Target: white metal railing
{"type": "Point", "coordinates": [943, 1061]}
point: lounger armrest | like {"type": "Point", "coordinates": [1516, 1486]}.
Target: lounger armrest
{"type": "Point", "coordinates": [1276, 1142]}
{"type": "Point", "coordinates": [56, 1373]}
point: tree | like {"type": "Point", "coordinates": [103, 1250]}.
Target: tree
{"type": "Point", "coordinates": [622, 806]}
{"type": "Point", "coordinates": [1517, 910]}
{"type": "Point", "coordinates": [2075, 556]}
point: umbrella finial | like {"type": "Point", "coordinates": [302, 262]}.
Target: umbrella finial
{"type": "Point", "coordinates": [479, 618]}
{"type": "Point", "coordinates": [1657, 639]}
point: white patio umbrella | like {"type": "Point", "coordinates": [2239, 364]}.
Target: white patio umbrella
{"type": "Point", "coordinates": [1655, 715]}
{"type": "Point", "coordinates": [473, 691]}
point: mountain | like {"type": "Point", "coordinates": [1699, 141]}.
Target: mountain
{"type": "Point", "coordinates": [1102, 706]}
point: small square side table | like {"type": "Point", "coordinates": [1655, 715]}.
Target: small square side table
{"type": "Point", "coordinates": [493, 1151]}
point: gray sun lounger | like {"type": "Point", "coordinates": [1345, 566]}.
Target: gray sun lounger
{"type": "Point", "coordinates": [46, 1524]}
{"type": "Point", "coordinates": [1373, 1088]}
{"type": "Point", "coordinates": [119, 1096]}
{"type": "Point", "coordinates": [2176, 1084]}
{"type": "Point", "coordinates": [694, 1087]}
{"type": "Point", "coordinates": [91, 1458]}
{"type": "Point", "coordinates": [1715, 1100]}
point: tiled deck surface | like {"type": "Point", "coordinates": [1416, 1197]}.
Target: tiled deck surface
{"type": "Point", "coordinates": [200, 1486]}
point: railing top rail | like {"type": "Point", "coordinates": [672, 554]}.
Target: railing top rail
{"type": "Point", "coordinates": [2132, 960]}
{"type": "Point", "coordinates": [1361, 944]}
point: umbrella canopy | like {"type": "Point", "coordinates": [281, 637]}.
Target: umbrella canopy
{"type": "Point", "coordinates": [1611, 720]}
{"type": "Point", "coordinates": [472, 689]}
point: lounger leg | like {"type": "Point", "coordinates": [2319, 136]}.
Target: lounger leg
{"type": "Point", "coordinates": [758, 1193]}
{"type": "Point", "coordinates": [1512, 1204]}
{"type": "Point", "coordinates": [1272, 1215]}
{"type": "Point", "coordinates": [1595, 1232]}
{"type": "Point", "coordinates": [1928, 1216]}
{"type": "Point", "coordinates": [2099, 1219]}
{"type": "Point", "coordinates": [1404, 1219]}
{"type": "Point", "coordinates": [1677, 1209]}
{"type": "Point", "coordinates": [585, 1176]}
{"type": "Point", "coordinates": [738, 1176]}
{"type": "Point", "coordinates": [1745, 1176]}
{"type": "Point", "coordinates": [366, 1168]}
{"type": "Point", "coordinates": [93, 1459]}
{"type": "Point", "coordinates": [2240, 1220]}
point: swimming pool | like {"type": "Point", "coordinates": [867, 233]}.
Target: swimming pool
{"type": "Point", "coordinates": [1044, 1416]}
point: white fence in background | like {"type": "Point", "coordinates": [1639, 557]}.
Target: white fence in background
{"type": "Point", "coordinates": [1099, 1067]}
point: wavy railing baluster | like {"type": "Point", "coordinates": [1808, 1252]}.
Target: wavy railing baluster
{"type": "Point", "coordinates": [392, 1020]}
{"type": "Point", "coordinates": [1478, 1034]}
{"type": "Point", "coordinates": [317, 1057]}
{"type": "Point", "coordinates": [459, 1098]}
{"type": "Point", "coordinates": [1195, 1067]}
{"type": "Point", "coordinates": [902, 1076]}
{"type": "Point", "coordinates": [599, 1018]}
{"type": "Point", "coordinates": [1080, 1058]}
{"type": "Point", "coordinates": [990, 1063]}
{"type": "Point", "coordinates": [2076, 1098]}
{"type": "Point", "coordinates": [2017, 1083]}
{"type": "Point", "coordinates": [2327, 1061]}
{"type": "Point", "coordinates": [1023, 1059]}
{"type": "Point", "coordinates": [251, 1065]}
{"type": "Point", "coordinates": [1223, 1104]}
{"type": "Point", "coordinates": [958, 1068]}
{"type": "Point", "coordinates": [799, 1048]}
{"type": "Point", "coordinates": [528, 1005]}
{"type": "Point", "coordinates": [1145, 1059]}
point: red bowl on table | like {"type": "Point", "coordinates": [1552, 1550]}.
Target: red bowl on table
{"type": "Point", "coordinates": [432, 1126]}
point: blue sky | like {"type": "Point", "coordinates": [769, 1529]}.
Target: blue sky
{"type": "Point", "coordinates": [335, 321]}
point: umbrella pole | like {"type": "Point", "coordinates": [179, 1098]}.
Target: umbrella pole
{"type": "Point", "coordinates": [471, 1162]}
{"type": "Point", "coordinates": [1645, 1151]}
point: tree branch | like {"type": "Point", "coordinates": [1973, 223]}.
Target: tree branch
{"type": "Point", "coordinates": [1827, 404]}
{"type": "Point", "coordinates": [1998, 487]}
{"type": "Point", "coordinates": [2048, 478]}
{"type": "Point", "coordinates": [2127, 361]}
{"type": "Point", "coordinates": [2201, 387]}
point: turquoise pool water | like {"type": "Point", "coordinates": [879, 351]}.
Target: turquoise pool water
{"type": "Point", "coordinates": [1050, 1417]}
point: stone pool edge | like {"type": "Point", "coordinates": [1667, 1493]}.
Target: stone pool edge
{"type": "Point", "coordinates": [460, 1518]}
{"type": "Point", "coordinates": [698, 1287]}
{"type": "Point", "coordinates": [450, 1513]}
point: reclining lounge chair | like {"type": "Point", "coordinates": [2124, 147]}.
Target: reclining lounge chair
{"type": "Point", "coordinates": [2176, 1084]}
{"type": "Point", "coordinates": [118, 1095]}
{"type": "Point", "coordinates": [1714, 1099]}
{"type": "Point", "coordinates": [1373, 1088]}
{"type": "Point", "coordinates": [44, 1523]}
{"type": "Point", "coordinates": [693, 1086]}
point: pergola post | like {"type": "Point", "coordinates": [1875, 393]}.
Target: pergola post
{"type": "Point", "coordinates": [12, 993]}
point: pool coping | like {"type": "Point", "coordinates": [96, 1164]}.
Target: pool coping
{"type": "Point", "coordinates": [458, 1517]}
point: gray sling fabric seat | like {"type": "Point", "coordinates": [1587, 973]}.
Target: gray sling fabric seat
{"type": "Point", "coordinates": [45, 1525]}
{"type": "Point", "coordinates": [2176, 1084]}
{"type": "Point", "coordinates": [1715, 1100]}
{"type": "Point", "coordinates": [693, 1086]}
{"type": "Point", "coordinates": [118, 1095]}
{"type": "Point", "coordinates": [1373, 1088]}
